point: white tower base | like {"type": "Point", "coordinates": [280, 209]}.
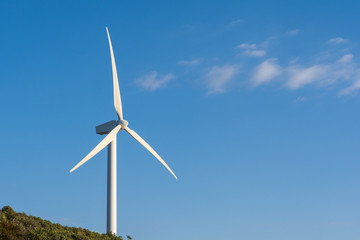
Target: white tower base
{"type": "Point", "coordinates": [111, 189]}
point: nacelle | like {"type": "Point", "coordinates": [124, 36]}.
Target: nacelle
{"type": "Point", "coordinates": [105, 128]}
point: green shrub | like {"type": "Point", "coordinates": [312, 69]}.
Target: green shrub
{"type": "Point", "coordinates": [19, 226]}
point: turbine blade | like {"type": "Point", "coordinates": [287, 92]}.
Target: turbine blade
{"type": "Point", "coordinates": [147, 146]}
{"type": "Point", "coordinates": [99, 147]}
{"type": "Point", "coordinates": [117, 97]}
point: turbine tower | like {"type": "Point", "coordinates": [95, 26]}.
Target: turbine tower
{"type": "Point", "coordinates": [111, 128]}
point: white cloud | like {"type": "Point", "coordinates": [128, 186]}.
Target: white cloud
{"type": "Point", "coordinates": [237, 21]}
{"type": "Point", "coordinates": [295, 75]}
{"type": "Point", "coordinates": [152, 81]}
{"type": "Point", "coordinates": [336, 40]}
{"type": "Point", "coordinates": [300, 99]}
{"type": "Point", "coordinates": [219, 76]}
{"type": "Point", "coordinates": [255, 53]}
{"type": "Point", "coordinates": [247, 46]}
{"type": "Point", "coordinates": [346, 70]}
{"type": "Point", "coordinates": [251, 50]}
{"type": "Point", "coordinates": [355, 86]}
{"type": "Point", "coordinates": [342, 70]}
{"type": "Point", "coordinates": [265, 72]}
{"type": "Point", "coordinates": [346, 59]}
{"type": "Point", "coordinates": [189, 62]}
{"type": "Point", "coordinates": [292, 32]}
{"type": "Point", "coordinates": [298, 76]}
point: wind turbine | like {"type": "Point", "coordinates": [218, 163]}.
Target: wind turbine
{"type": "Point", "coordinates": [111, 128]}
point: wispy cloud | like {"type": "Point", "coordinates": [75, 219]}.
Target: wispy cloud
{"type": "Point", "coordinates": [237, 21]}
{"type": "Point", "coordinates": [346, 58]}
{"type": "Point", "coordinates": [265, 72]}
{"type": "Point", "coordinates": [247, 46]}
{"type": "Point", "coordinates": [251, 50]}
{"type": "Point", "coordinates": [300, 99]}
{"type": "Point", "coordinates": [299, 76]}
{"type": "Point", "coordinates": [189, 62]}
{"type": "Point", "coordinates": [292, 32]}
{"type": "Point", "coordinates": [255, 53]}
{"type": "Point", "coordinates": [343, 71]}
{"type": "Point", "coordinates": [295, 76]}
{"type": "Point", "coordinates": [341, 75]}
{"type": "Point", "coordinates": [336, 40]}
{"type": "Point", "coordinates": [218, 77]}
{"type": "Point", "coordinates": [354, 87]}
{"type": "Point", "coordinates": [152, 81]}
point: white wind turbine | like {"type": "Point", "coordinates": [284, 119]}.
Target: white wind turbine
{"type": "Point", "coordinates": [111, 128]}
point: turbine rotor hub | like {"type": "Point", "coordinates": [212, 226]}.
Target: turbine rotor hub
{"type": "Point", "coordinates": [123, 123]}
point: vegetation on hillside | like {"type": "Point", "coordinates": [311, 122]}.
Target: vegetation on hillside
{"type": "Point", "coordinates": [19, 226]}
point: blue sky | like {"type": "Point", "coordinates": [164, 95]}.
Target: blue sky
{"type": "Point", "coordinates": [253, 104]}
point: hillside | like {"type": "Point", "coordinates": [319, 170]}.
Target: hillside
{"type": "Point", "coordinates": [19, 226]}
